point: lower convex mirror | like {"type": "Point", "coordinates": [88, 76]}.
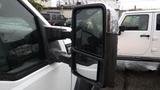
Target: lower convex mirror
{"type": "Point", "coordinates": [94, 45]}
{"type": "Point", "coordinates": [87, 66]}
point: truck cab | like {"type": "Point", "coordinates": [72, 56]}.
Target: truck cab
{"type": "Point", "coordinates": [139, 37]}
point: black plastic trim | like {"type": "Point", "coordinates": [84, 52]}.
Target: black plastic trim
{"type": "Point", "coordinates": [138, 58]}
{"type": "Point", "coordinates": [86, 54]}
{"type": "Point", "coordinates": [21, 74]}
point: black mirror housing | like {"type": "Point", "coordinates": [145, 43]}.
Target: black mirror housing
{"type": "Point", "coordinates": [94, 49]}
{"type": "Point", "coordinates": [121, 29]}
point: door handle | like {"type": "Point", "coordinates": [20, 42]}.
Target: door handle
{"type": "Point", "coordinates": [144, 35]}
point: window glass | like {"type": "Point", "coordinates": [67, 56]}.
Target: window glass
{"type": "Point", "coordinates": [61, 16]}
{"type": "Point", "coordinates": [19, 38]}
{"type": "Point", "coordinates": [53, 17]}
{"type": "Point", "coordinates": [158, 22]}
{"type": "Point", "coordinates": [46, 16]}
{"type": "Point", "coordinates": [58, 17]}
{"type": "Point", "coordinates": [136, 22]}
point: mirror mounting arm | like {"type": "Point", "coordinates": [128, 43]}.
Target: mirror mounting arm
{"type": "Point", "coordinates": [65, 58]}
{"type": "Point", "coordinates": [59, 56]}
{"type": "Point", "coordinates": [54, 34]}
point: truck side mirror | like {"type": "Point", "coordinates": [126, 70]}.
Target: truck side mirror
{"type": "Point", "coordinates": [121, 29]}
{"type": "Point", "coordinates": [94, 47]}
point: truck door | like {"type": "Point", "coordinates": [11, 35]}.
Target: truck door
{"type": "Point", "coordinates": [155, 50]}
{"type": "Point", "coordinates": [23, 64]}
{"type": "Point", "coordinates": [135, 39]}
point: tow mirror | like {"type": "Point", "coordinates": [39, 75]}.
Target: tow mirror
{"type": "Point", "coordinates": [94, 46]}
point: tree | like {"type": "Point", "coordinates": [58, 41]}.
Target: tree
{"type": "Point", "coordinates": [37, 5]}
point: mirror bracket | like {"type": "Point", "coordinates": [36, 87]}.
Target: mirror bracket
{"type": "Point", "coordinates": [59, 56]}
{"type": "Point", "coordinates": [54, 34]}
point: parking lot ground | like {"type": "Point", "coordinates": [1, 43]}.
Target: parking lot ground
{"type": "Point", "coordinates": [137, 80]}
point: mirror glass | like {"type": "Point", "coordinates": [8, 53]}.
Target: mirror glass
{"type": "Point", "coordinates": [87, 66]}
{"type": "Point", "coordinates": [89, 31]}
{"type": "Point", "coordinates": [88, 39]}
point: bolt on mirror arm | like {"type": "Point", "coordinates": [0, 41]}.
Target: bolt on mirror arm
{"type": "Point", "coordinates": [56, 55]}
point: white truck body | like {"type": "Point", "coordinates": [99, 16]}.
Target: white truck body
{"type": "Point", "coordinates": [144, 42]}
{"type": "Point", "coordinates": [50, 77]}
{"type": "Point", "coordinates": [56, 76]}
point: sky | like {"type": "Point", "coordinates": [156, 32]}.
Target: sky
{"type": "Point", "coordinates": [129, 4]}
{"type": "Point", "coordinates": [144, 4]}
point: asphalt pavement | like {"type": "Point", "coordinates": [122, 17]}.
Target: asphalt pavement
{"type": "Point", "coordinates": [137, 76]}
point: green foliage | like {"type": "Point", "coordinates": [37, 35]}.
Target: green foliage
{"type": "Point", "coordinates": [38, 6]}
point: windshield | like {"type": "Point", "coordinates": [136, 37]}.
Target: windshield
{"type": "Point", "coordinates": [46, 16]}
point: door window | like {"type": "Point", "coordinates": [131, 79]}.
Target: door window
{"type": "Point", "coordinates": [136, 22]}
{"type": "Point", "coordinates": [53, 17]}
{"type": "Point", "coordinates": [58, 17]}
{"type": "Point", "coordinates": [46, 16]}
{"type": "Point", "coordinates": [20, 44]}
{"type": "Point", "coordinates": [158, 22]}
{"type": "Point", "coordinates": [62, 17]}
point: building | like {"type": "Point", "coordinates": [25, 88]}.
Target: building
{"type": "Point", "coordinates": [66, 11]}
{"type": "Point", "coordinates": [65, 6]}
{"type": "Point", "coordinates": [47, 3]}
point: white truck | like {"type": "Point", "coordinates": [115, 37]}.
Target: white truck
{"type": "Point", "coordinates": [16, 21]}
{"type": "Point", "coordinates": [31, 49]}
{"type": "Point", "coordinates": [139, 36]}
